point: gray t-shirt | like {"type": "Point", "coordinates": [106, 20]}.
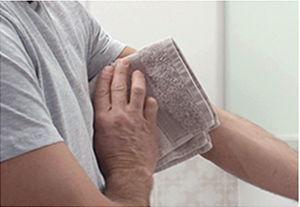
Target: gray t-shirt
{"type": "Point", "coordinates": [49, 51]}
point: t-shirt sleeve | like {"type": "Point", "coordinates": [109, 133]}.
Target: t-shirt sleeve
{"type": "Point", "coordinates": [26, 123]}
{"type": "Point", "coordinates": [103, 49]}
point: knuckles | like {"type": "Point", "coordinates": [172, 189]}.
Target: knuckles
{"type": "Point", "coordinates": [122, 119]}
{"type": "Point", "coordinates": [101, 92]}
{"type": "Point", "coordinates": [106, 73]}
{"type": "Point", "coordinates": [138, 90]}
{"type": "Point", "coordinates": [118, 87]}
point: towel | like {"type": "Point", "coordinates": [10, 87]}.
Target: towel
{"type": "Point", "coordinates": [185, 115]}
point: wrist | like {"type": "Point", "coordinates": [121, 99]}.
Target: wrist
{"type": "Point", "coordinates": [130, 187]}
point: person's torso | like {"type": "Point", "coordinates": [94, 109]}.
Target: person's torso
{"type": "Point", "coordinates": [55, 36]}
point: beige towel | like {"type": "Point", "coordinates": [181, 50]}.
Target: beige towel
{"type": "Point", "coordinates": [185, 115]}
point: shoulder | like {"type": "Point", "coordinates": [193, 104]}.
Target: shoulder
{"type": "Point", "coordinates": [11, 33]}
{"type": "Point", "coordinates": [68, 9]}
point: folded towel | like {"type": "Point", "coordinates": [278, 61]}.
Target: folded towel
{"type": "Point", "coordinates": [185, 115]}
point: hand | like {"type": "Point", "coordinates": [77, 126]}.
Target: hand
{"type": "Point", "coordinates": [126, 136]}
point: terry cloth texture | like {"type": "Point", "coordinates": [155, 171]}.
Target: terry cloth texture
{"type": "Point", "coordinates": [185, 114]}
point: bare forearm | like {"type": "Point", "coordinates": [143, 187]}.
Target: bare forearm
{"type": "Point", "coordinates": [130, 188]}
{"type": "Point", "coordinates": [122, 130]}
{"type": "Point", "coordinates": [252, 154]}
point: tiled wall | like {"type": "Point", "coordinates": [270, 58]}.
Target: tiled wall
{"type": "Point", "coordinates": [196, 182]}
{"type": "Point", "coordinates": [198, 27]}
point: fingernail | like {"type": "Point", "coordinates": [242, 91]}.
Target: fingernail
{"type": "Point", "coordinates": [108, 69]}
{"type": "Point", "coordinates": [124, 62]}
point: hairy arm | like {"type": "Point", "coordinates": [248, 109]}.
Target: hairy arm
{"type": "Point", "coordinates": [254, 155]}
{"type": "Point", "coordinates": [122, 130]}
{"type": "Point", "coordinates": [249, 152]}
{"type": "Point", "coordinates": [51, 176]}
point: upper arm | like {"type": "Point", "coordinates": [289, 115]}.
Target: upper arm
{"type": "Point", "coordinates": [26, 123]}
{"type": "Point", "coordinates": [49, 176]}
{"type": "Point", "coordinates": [102, 48]}
{"type": "Point", "coordinates": [92, 84]}
{"type": "Point", "coordinates": [36, 167]}
{"type": "Point", "coordinates": [127, 51]}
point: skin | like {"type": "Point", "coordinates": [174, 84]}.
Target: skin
{"type": "Point", "coordinates": [51, 176]}
{"type": "Point", "coordinates": [252, 154]}
{"type": "Point", "coordinates": [126, 126]}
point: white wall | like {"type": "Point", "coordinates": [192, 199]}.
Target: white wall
{"type": "Point", "coordinates": [262, 76]}
{"type": "Point", "coordinates": [196, 27]}
{"type": "Point", "coordinates": [262, 64]}
{"type": "Point", "coordinates": [198, 30]}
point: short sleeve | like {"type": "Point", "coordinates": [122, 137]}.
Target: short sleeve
{"type": "Point", "coordinates": [103, 49]}
{"type": "Point", "coordinates": [26, 123]}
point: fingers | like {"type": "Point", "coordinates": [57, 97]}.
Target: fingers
{"type": "Point", "coordinates": [151, 107]}
{"type": "Point", "coordinates": [111, 91]}
{"type": "Point", "coordinates": [119, 84]}
{"type": "Point", "coordinates": [146, 106]}
{"type": "Point", "coordinates": [102, 91]}
{"type": "Point", "coordinates": [138, 91]}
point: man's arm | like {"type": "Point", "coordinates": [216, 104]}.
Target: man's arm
{"type": "Point", "coordinates": [252, 154]}
{"type": "Point", "coordinates": [127, 51]}
{"type": "Point", "coordinates": [126, 136]}
{"type": "Point", "coordinates": [51, 176]}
